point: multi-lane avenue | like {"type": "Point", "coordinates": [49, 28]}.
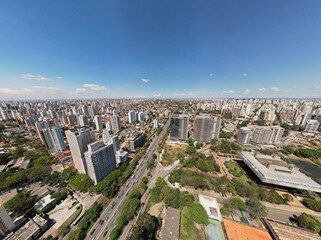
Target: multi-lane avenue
{"type": "Point", "coordinates": [106, 222]}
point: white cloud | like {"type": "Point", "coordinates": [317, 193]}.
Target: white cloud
{"type": "Point", "coordinates": [145, 80]}
{"type": "Point", "coordinates": [229, 91]}
{"type": "Point", "coordinates": [275, 89]}
{"type": "Point", "coordinates": [246, 91]}
{"type": "Point", "coordinates": [94, 87]}
{"type": "Point", "coordinates": [32, 92]}
{"type": "Point", "coordinates": [59, 77]}
{"type": "Point", "coordinates": [29, 76]}
{"type": "Point", "coordinates": [157, 94]}
{"type": "Point", "coordinates": [211, 75]}
{"type": "Point", "coordinates": [262, 89]}
{"type": "Point", "coordinates": [81, 90]}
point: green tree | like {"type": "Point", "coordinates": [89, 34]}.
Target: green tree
{"type": "Point", "coordinates": [145, 228]}
{"type": "Point", "coordinates": [309, 222]}
{"type": "Point", "coordinates": [81, 182]}
{"type": "Point", "coordinates": [255, 207]}
{"type": "Point", "coordinates": [197, 213]}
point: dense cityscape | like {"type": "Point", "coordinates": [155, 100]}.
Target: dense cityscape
{"type": "Point", "coordinates": [160, 169]}
{"type": "Point", "coordinates": [160, 120]}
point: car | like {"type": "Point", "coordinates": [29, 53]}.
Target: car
{"type": "Point", "coordinates": [101, 221]}
{"type": "Point", "coordinates": [105, 233]}
{"type": "Point", "coordinates": [92, 232]}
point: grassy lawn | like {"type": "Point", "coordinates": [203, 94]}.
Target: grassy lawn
{"type": "Point", "coordinates": [172, 153]}
{"type": "Point", "coordinates": [188, 228]}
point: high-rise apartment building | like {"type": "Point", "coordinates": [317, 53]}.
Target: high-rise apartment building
{"type": "Point", "coordinates": [206, 128]}
{"type": "Point", "coordinates": [312, 126]}
{"type": "Point", "coordinates": [83, 121]}
{"type": "Point", "coordinates": [78, 141]}
{"type": "Point", "coordinates": [203, 125]}
{"type": "Point", "coordinates": [115, 123]}
{"type": "Point", "coordinates": [98, 123]}
{"type": "Point", "coordinates": [179, 127]}
{"type": "Point", "coordinates": [100, 160]}
{"type": "Point", "coordinates": [54, 139]}
{"type": "Point", "coordinates": [132, 116]}
{"type": "Point", "coordinates": [244, 135]}
{"type": "Point", "coordinates": [115, 142]}
{"type": "Point", "coordinates": [141, 116]}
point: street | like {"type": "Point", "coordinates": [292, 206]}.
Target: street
{"type": "Point", "coordinates": [106, 222]}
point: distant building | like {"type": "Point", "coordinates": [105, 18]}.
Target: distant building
{"type": "Point", "coordinates": [115, 123]}
{"type": "Point", "coordinates": [244, 135]}
{"type": "Point", "coordinates": [132, 118]}
{"type": "Point", "coordinates": [78, 141]}
{"type": "Point", "coordinates": [6, 223]}
{"type": "Point", "coordinates": [141, 116]}
{"type": "Point", "coordinates": [5, 115]}
{"type": "Point", "coordinates": [172, 224]}
{"type": "Point", "coordinates": [156, 123]}
{"type": "Point", "coordinates": [98, 123]}
{"type": "Point", "coordinates": [312, 126]}
{"type": "Point", "coordinates": [100, 160]}
{"type": "Point", "coordinates": [83, 121]}
{"type": "Point", "coordinates": [179, 127]}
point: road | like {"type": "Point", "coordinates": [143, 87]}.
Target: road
{"type": "Point", "coordinates": [106, 222]}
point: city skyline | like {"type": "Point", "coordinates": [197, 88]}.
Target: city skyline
{"type": "Point", "coordinates": [141, 49]}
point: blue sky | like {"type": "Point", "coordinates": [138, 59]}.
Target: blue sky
{"type": "Point", "coordinates": [165, 48]}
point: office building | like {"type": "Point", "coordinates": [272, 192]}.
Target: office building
{"type": "Point", "coordinates": [100, 160]}
{"type": "Point", "coordinates": [78, 141]}
{"type": "Point", "coordinates": [54, 140]}
{"type": "Point", "coordinates": [39, 127]}
{"type": "Point", "coordinates": [312, 126]}
{"type": "Point", "coordinates": [179, 127]}
{"type": "Point", "coordinates": [115, 123]}
{"type": "Point", "coordinates": [98, 123]}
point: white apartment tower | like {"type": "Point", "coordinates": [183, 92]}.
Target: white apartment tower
{"type": "Point", "coordinates": [78, 141]}
{"type": "Point", "coordinates": [100, 160]}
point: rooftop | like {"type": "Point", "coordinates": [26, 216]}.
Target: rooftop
{"type": "Point", "coordinates": [285, 232]}
{"type": "Point", "coordinates": [239, 231]}
{"type": "Point", "coordinates": [211, 206]}
{"type": "Point", "coordinates": [172, 224]}
{"type": "Point", "coordinates": [289, 176]}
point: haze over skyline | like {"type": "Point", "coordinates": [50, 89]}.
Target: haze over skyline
{"type": "Point", "coordinates": [168, 49]}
